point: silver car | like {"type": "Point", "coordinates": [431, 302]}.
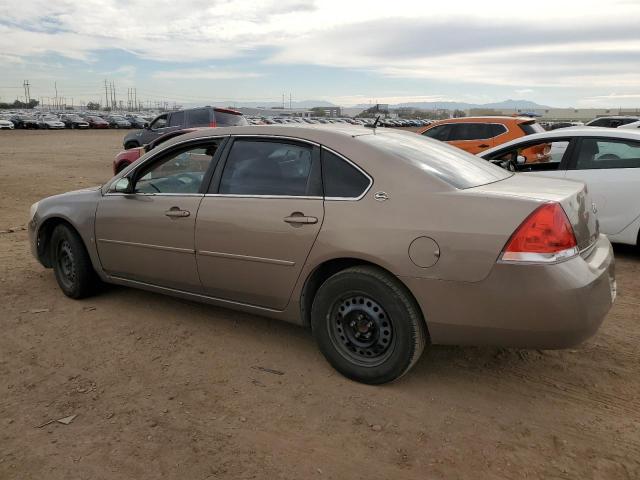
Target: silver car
{"type": "Point", "coordinates": [380, 241]}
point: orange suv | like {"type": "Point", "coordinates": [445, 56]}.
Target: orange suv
{"type": "Point", "coordinates": [475, 134]}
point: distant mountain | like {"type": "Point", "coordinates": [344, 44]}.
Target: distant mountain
{"type": "Point", "coordinates": [506, 104]}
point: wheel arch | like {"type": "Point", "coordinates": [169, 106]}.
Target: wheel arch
{"type": "Point", "coordinates": [45, 230]}
{"type": "Point", "coordinates": [330, 267]}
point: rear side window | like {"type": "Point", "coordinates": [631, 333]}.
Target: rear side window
{"type": "Point", "coordinates": [269, 168]}
{"type": "Point", "coordinates": [176, 119]}
{"type": "Point", "coordinates": [226, 119]}
{"type": "Point", "coordinates": [599, 154]}
{"type": "Point", "coordinates": [199, 117]}
{"type": "Point", "coordinates": [340, 178]}
{"type": "Point", "coordinates": [532, 127]}
{"type": "Point", "coordinates": [440, 132]}
{"type": "Point", "coordinates": [470, 131]}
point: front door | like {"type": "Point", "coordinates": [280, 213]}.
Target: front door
{"type": "Point", "coordinates": [256, 228]}
{"type": "Point", "coordinates": [147, 235]}
{"type": "Point", "coordinates": [611, 170]}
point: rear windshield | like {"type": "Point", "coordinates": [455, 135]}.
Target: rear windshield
{"type": "Point", "coordinates": [532, 127]}
{"type": "Point", "coordinates": [450, 164]}
{"type": "Point", "coordinates": [226, 119]}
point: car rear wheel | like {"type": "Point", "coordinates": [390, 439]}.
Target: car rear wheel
{"type": "Point", "coordinates": [367, 325]}
{"type": "Point", "coordinates": [71, 263]}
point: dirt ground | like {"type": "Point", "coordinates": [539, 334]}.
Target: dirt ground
{"type": "Point", "coordinates": [164, 388]}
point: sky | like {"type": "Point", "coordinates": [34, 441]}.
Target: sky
{"type": "Point", "coordinates": [559, 53]}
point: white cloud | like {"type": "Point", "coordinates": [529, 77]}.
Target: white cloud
{"type": "Point", "coordinates": [208, 74]}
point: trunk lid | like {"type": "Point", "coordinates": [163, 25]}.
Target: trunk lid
{"type": "Point", "coordinates": [573, 196]}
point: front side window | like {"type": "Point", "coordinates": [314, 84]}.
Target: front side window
{"type": "Point", "coordinates": [268, 168]}
{"type": "Point", "coordinates": [340, 178]}
{"type": "Point", "coordinates": [594, 153]}
{"type": "Point", "coordinates": [544, 155]}
{"type": "Point", "coordinates": [159, 122]}
{"type": "Point", "coordinates": [179, 172]}
{"type": "Point", "coordinates": [176, 119]}
{"type": "Point", "coordinates": [440, 132]}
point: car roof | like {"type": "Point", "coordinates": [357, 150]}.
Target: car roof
{"type": "Point", "coordinates": [485, 119]}
{"type": "Point", "coordinates": [569, 132]}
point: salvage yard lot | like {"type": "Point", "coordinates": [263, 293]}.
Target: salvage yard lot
{"type": "Point", "coordinates": [167, 388]}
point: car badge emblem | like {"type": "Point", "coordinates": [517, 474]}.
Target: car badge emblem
{"type": "Point", "coordinates": [594, 208]}
{"type": "Point", "coordinates": [381, 196]}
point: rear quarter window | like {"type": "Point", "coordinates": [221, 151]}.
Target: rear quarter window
{"type": "Point", "coordinates": [341, 179]}
{"type": "Point", "coordinates": [225, 119]}
{"type": "Point", "coordinates": [529, 128]}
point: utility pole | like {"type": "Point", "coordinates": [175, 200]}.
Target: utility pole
{"type": "Point", "coordinates": [27, 93]}
{"type": "Point", "coordinates": [55, 86]}
{"type": "Point", "coordinates": [106, 100]}
{"type": "Point", "coordinates": [289, 100]}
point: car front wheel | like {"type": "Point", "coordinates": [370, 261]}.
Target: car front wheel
{"type": "Point", "coordinates": [367, 325]}
{"type": "Point", "coordinates": [71, 263]}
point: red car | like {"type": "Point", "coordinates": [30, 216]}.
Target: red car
{"type": "Point", "coordinates": [127, 157]}
{"type": "Point", "coordinates": [96, 122]}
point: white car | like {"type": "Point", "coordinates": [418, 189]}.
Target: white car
{"type": "Point", "coordinates": [6, 124]}
{"type": "Point", "coordinates": [50, 121]}
{"type": "Point", "coordinates": [631, 126]}
{"type": "Point", "coordinates": [606, 159]}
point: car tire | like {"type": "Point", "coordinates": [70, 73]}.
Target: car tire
{"type": "Point", "coordinates": [71, 264]}
{"type": "Point", "coordinates": [367, 325]}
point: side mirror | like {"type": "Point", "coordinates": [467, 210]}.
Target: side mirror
{"type": "Point", "coordinates": [123, 185]}
{"type": "Point", "coordinates": [521, 160]}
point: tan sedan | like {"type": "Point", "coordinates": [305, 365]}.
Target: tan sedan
{"type": "Point", "coordinates": [380, 241]}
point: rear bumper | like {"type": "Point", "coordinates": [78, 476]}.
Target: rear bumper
{"type": "Point", "coordinates": [526, 306]}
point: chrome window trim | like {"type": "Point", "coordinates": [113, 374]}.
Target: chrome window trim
{"type": "Point", "coordinates": [281, 137]}
{"type": "Point", "coordinates": [357, 167]}
{"type": "Point", "coordinates": [109, 194]}
{"type": "Point", "coordinates": [240, 195]}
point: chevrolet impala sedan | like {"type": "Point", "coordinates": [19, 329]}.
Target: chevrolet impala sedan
{"type": "Point", "coordinates": [380, 241]}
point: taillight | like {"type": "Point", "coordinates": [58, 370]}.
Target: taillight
{"type": "Point", "coordinates": [545, 236]}
{"type": "Point", "coordinates": [213, 124]}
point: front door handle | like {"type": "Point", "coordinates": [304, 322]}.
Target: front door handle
{"type": "Point", "coordinates": [484, 145]}
{"type": "Point", "coordinates": [176, 212]}
{"type": "Point", "coordinates": [300, 218]}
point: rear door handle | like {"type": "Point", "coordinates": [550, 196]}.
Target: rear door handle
{"type": "Point", "coordinates": [484, 145]}
{"type": "Point", "coordinates": [176, 212]}
{"type": "Point", "coordinates": [299, 218]}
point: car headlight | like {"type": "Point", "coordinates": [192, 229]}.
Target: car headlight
{"type": "Point", "coordinates": [32, 211]}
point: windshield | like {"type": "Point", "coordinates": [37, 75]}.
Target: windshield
{"type": "Point", "coordinates": [450, 164]}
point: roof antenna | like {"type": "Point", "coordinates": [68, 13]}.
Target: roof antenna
{"type": "Point", "coordinates": [375, 124]}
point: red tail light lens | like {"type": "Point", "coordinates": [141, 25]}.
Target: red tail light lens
{"type": "Point", "coordinates": [213, 124]}
{"type": "Point", "coordinates": [545, 236]}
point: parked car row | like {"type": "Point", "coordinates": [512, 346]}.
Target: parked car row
{"type": "Point", "coordinates": [71, 120]}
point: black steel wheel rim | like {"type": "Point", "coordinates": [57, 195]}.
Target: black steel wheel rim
{"type": "Point", "coordinates": [361, 330]}
{"type": "Point", "coordinates": [66, 264]}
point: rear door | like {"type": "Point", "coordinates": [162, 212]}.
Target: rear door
{"type": "Point", "coordinates": [256, 226]}
{"type": "Point", "coordinates": [471, 137]}
{"type": "Point", "coordinates": [611, 170]}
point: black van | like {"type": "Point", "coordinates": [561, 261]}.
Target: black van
{"type": "Point", "coordinates": [187, 118]}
